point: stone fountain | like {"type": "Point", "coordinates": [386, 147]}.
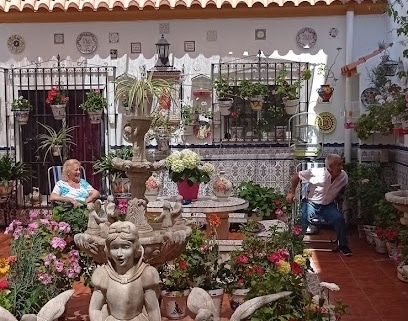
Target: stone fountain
{"type": "Point", "coordinates": [399, 199]}
{"type": "Point", "coordinates": [159, 245]}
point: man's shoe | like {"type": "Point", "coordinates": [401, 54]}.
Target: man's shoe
{"type": "Point", "coordinates": [345, 250]}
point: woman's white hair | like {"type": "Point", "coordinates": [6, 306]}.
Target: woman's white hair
{"type": "Point", "coordinates": [68, 166]}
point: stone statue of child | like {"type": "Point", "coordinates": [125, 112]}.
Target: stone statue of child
{"type": "Point", "coordinates": [125, 288]}
{"type": "Point", "coordinates": [94, 220]}
{"type": "Point", "coordinates": [165, 216]}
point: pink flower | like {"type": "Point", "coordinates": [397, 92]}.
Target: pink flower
{"type": "Point", "coordinates": [297, 230]}
{"type": "Point", "coordinates": [274, 258]}
{"type": "Point", "coordinates": [44, 278]}
{"type": "Point", "coordinates": [278, 212]}
{"type": "Point", "coordinates": [32, 227]}
{"type": "Point", "coordinates": [59, 266]}
{"type": "Point", "coordinates": [284, 254]}
{"type": "Point", "coordinates": [34, 214]}
{"type": "Point", "coordinates": [64, 227]}
{"type": "Point", "coordinates": [242, 259]}
{"type": "Point", "coordinates": [58, 243]}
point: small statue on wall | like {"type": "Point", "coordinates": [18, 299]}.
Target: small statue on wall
{"type": "Point", "coordinates": [35, 197]}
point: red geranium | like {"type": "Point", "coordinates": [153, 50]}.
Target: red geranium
{"type": "Point", "coordinates": [56, 97]}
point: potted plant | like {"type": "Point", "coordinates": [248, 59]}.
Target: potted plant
{"type": "Point", "coordinates": [119, 182]}
{"type": "Point", "coordinates": [365, 187]}
{"type": "Point", "coordinates": [136, 94]}
{"type": "Point", "coordinates": [21, 108]}
{"type": "Point", "coordinates": [325, 91]}
{"type": "Point", "coordinates": [94, 105]}
{"type": "Point", "coordinates": [290, 90]}
{"type": "Point", "coordinates": [57, 99]}
{"type": "Point", "coordinates": [175, 283]}
{"type": "Point", "coordinates": [205, 267]}
{"type": "Point", "coordinates": [188, 171]}
{"type": "Point", "coordinates": [388, 108]}
{"type": "Point", "coordinates": [10, 171]}
{"type": "Point", "coordinates": [54, 141]}
{"type": "Point", "coordinates": [189, 118]}
{"type": "Point", "coordinates": [265, 202]}
{"type": "Point", "coordinates": [254, 91]}
{"type": "Point", "coordinates": [224, 92]}
{"type": "Point", "coordinates": [262, 126]}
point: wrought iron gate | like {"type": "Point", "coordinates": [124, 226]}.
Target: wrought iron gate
{"type": "Point", "coordinates": [33, 82]}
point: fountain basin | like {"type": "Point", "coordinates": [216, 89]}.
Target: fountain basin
{"type": "Point", "coordinates": [399, 199]}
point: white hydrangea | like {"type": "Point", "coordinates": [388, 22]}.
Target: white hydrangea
{"type": "Point", "coordinates": [208, 168]}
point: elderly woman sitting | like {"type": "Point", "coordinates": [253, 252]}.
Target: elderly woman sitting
{"type": "Point", "coordinates": [72, 188]}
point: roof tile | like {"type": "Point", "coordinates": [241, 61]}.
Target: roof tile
{"type": "Point", "coordinates": [51, 5]}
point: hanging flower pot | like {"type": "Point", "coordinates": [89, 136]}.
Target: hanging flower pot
{"type": "Point", "coordinates": [325, 93]}
{"type": "Point", "coordinates": [390, 66]}
{"type": "Point", "coordinates": [59, 111]}
{"type": "Point", "coordinates": [22, 116]}
{"type": "Point", "coordinates": [291, 105]}
{"type": "Point", "coordinates": [225, 105]}
{"type": "Point", "coordinates": [256, 102]}
{"type": "Point", "coordinates": [56, 150]}
{"type": "Point", "coordinates": [95, 117]}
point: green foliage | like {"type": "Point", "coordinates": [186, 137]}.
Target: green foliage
{"type": "Point", "coordinates": [204, 267]}
{"type": "Point", "coordinates": [11, 170]}
{"type": "Point", "coordinates": [290, 90]}
{"type": "Point", "coordinates": [365, 187]}
{"type": "Point", "coordinates": [379, 115]}
{"type": "Point", "coordinates": [94, 101]}
{"type": "Point", "coordinates": [137, 94]}
{"type": "Point", "coordinates": [248, 89]}
{"type": "Point", "coordinates": [386, 215]}
{"type": "Point", "coordinates": [222, 88]}
{"type": "Point", "coordinates": [189, 115]}
{"type": "Point", "coordinates": [104, 165]}
{"type": "Point", "coordinates": [77, 218]}
{"type": "Point", "coordinates": [43, 263]}
{"type": "Point", "coordinates": [264, 201]}
{"type": "Point", "coordinates": [53, 138]}
{"type": "Point", "coordinates": [21, 103]}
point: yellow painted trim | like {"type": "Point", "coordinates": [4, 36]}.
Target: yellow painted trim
{"type": "Point", "coordinates": [210, 12]}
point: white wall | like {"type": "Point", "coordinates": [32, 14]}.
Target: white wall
{"type": "Point", "coordinates": [234, 37]}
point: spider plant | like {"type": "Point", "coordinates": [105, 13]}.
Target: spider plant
{"type": "Point", "coordinates": [53, 138]}
{"type": "Point", "coordinates": [137, 94]}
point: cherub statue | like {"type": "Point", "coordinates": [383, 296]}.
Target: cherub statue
{"type": "Point", "coordinates": [94, 220]}
{"type": "Point", "coordinates": [166, 216]}
{"type": "Point", "coordinates": [125, 288]}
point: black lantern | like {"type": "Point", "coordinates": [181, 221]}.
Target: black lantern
{"type": "Point", "coordinates": [162, 47]}
{"type": "Point", "coordinates": [390, 66]}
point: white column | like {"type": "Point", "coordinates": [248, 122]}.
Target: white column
{"type": "Point", "coordinates": [349, 57]}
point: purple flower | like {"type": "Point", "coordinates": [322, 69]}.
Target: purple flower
{"type": "Point", "coordinates": [34, 214]}
{"type": "Point", "coordinates": [32, 227]}
{"type": "Point", "coordinates": [45, 222]}
{"type": "Point", "coordinates": [49, 258]}
{"type": "Point", "coordinates": [44, 278]}
{"type": "Point", "coordinates": [73, 255]}
{"type": "Point", "coordinates": [58, 243]}
{"type": "Point", "coordinates": [59, 266]}
{"type": "Point", "coordinates": [64, 227]}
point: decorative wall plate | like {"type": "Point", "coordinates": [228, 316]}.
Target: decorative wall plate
{"type": "Point", "coordinates": [368, 96]}
{"type": "Point", "coordinates": [306, 38]}
{"type": "Point", "coordinates": [16, 44]}
{"type": "Point", "coordinates": [326, 122]}
{"type": "Point", "coordinates": [86, 42]}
